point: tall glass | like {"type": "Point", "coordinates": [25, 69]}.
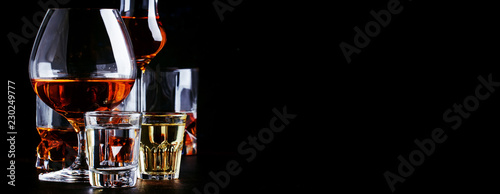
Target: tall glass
{"type": "Point", "coordinates": [186, 102]}
{"type": "Point", "coordinates": [169, 89]}
{"type": "Point", "coordinates": [82, 60]}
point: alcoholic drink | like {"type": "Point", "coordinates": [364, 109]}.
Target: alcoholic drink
{"type": "Point", "coordinates": [112, 154]}
{"type": "Point", "coordinates": [73, 97]}
{"type": "Point", "coordinates": [57, 149]}
{"type": "Point", "coordinates": [82, 60]}
{"type": "Point", "coordinates": [111, 147]}
{"type": "Point", "coordinates": [190, 140]}
{"type": "Point", "coordinates": [161, 146]}
{"type": "Point", "coordinates": [148, 37]}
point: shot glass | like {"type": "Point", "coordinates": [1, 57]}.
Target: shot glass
{"type": "Point", "coordinates": [112, 148]}
{"type": "Point", "coordinates": [161, 145]}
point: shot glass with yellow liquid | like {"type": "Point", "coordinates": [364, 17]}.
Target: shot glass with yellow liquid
{"type": "Point", "coordinates": [161, 145]}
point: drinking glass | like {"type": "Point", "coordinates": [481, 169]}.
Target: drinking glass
{"type": "Point", "coordinates": [145, 29]}
{"type": "Point", "coordinates": [186, 102]}
{"type": "Point", "coordinates": [161, 145]}
{"type": "Point", "coordinates": [148, 37]}
{"type": "Point", "coordinates": [112, 147]}
{"type": "Point", "coordinates": [168, 89]}
{"type": "Point", "coordinates": [58, 146]}
{"type": "Point", "coordinates": [82, 60]}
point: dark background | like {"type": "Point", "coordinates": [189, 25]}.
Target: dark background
{"type": "Point", "coordinates": [353, 120]}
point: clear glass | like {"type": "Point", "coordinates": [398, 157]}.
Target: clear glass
{"type": "Point", "coordinates": [161, 145]}
{"type": "Point", "coordinates": [148, 37]}
{"type": "Point", "coordinates": [82, 60]}
{"type": "Point", "coordinates": [58, 146]}
{"type": "Point", "coordinates": [145, 29]}
{"type": "Point", "coordinates": [186, 102]}
{"type": "Point", "coordinates": [112, 147]}
{"type": "Point", "coordinates": [169, 89]}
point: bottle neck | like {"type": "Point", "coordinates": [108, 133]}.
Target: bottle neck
{"type": "Point", "coordinates": [139, 8]}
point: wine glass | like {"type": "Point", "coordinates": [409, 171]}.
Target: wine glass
{"type": "Point", "coordinates": [82, 60]}
{"type": "Point", "coordinates": [145, 29]}
{"type": "Point", "coordinates": [148, 37]}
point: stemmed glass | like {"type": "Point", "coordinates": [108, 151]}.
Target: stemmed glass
{"type": "Point", "coordinates": [82, 60]}
{"type": "Point", "coordinates": [148, 37]}
{"type": "Point", "coordinates": [145, 29]}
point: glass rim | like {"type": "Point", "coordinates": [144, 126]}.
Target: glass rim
{"type": "Point", "coordinates": [162, 114]}
{"type": "Point", "coordinates": [112, 113]}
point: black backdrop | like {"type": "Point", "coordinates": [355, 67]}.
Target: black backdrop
{"type": "Point", "coordinates": [353, 119]}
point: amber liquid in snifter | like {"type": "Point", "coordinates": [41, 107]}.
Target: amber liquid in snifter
{"type": "Point", "coordinates": [73, 97]}
{"type": "Point", "coordinates": [161, 146]}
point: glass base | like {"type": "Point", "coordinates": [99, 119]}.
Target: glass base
{"type": "Point", "coordinates": [118, 179]}
{"type": "Point", "coordinates": [66, 175]}
{"type": "Point", "coordinates": [159, 177]}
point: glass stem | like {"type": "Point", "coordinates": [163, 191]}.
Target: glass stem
{"type": "Point", "coordinates": [80, 162]}
{"type": "Point", "coordinates": [141, 95]}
